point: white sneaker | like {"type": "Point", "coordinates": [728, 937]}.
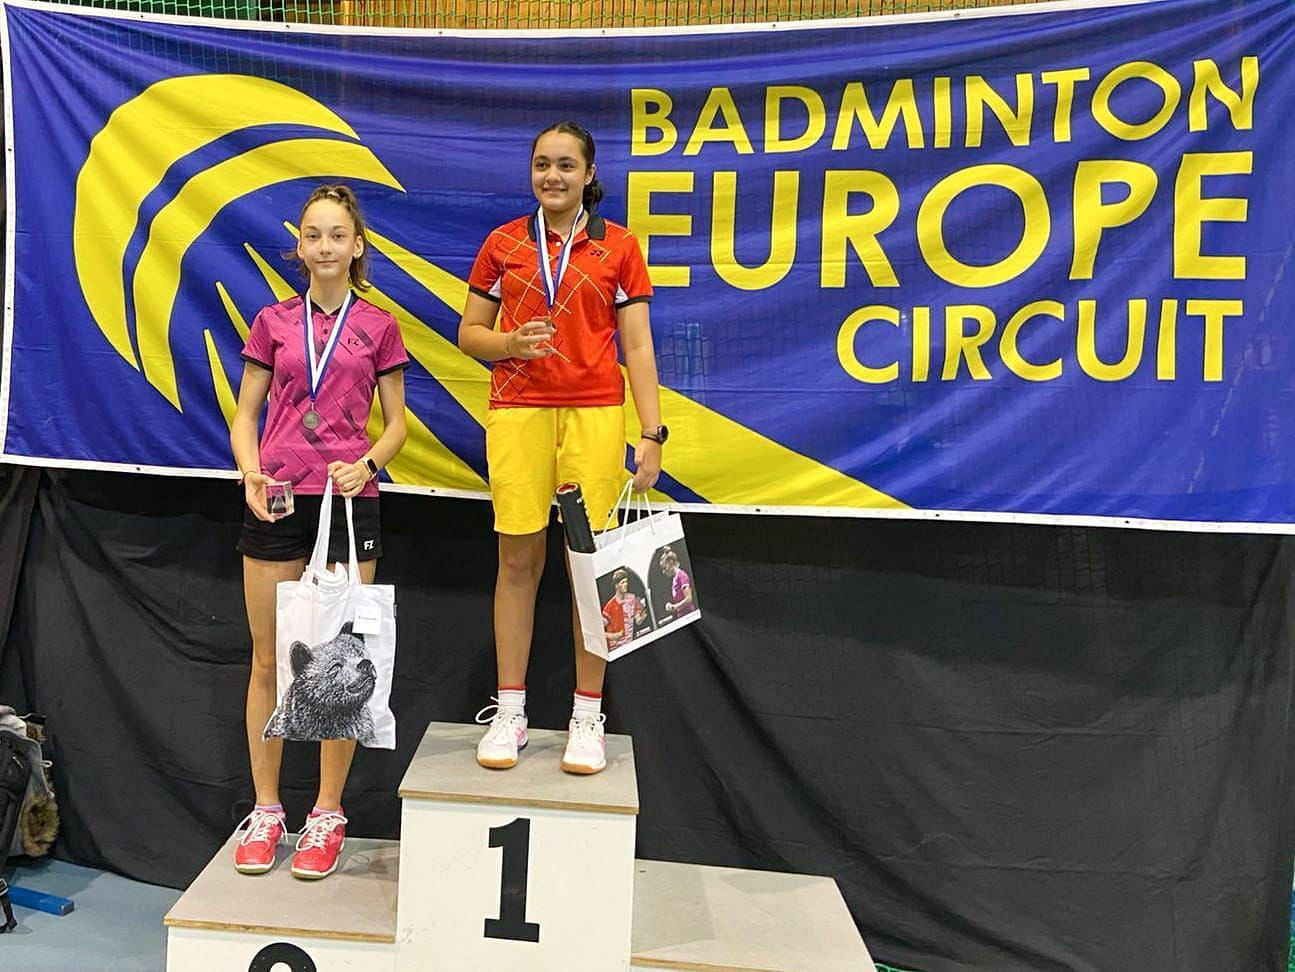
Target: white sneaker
{"type": "Point", "coordinates": [506, 735]}
{"type": "Point", "coordinates": [586, 748]}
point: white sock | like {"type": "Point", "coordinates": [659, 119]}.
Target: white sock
{"type": "Point", "coordinates": [586, 707]}
{"type": "Point", "coordinates": [512, 701]}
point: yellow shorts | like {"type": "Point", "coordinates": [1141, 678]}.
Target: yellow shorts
{"type": "Point", "coordinates": [529, 451]}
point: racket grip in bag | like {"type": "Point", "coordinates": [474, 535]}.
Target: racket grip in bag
{"type": "Point", "coordinates": [575, 521]}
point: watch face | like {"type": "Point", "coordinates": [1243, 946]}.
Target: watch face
{"type": "Point", "coordinates": [663, 432]}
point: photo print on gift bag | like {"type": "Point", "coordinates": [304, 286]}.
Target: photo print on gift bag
{"type": "Point", "coordinates": [673, 596]}
{"type": "Point", "coordinates": [626, 612]}
{"type": "Point", "coordinates": [328, 698]}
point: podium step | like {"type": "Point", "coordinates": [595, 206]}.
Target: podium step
{"type": "Point", "coordinates": [357, 903]}
{"type": "Point", "coordinates": [515, 869]}
{"type": "Point", "coordinates": [708, 919]}
{"type": "Point", "coordinates": [444, 769]}
{"type": "Point", "coordinates": [529, 868]}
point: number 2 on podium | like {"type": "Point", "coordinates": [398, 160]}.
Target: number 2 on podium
{"type": "Point", "coordinates": [515, 839]}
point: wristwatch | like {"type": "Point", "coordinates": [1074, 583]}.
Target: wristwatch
{"type": "Point", "coordinates": [372, 466]}
{"type": "Point", "coordinates": [659, 434]}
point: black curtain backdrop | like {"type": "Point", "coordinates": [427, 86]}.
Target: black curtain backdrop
{"type": "Point", "coordinates": [1015, 748]}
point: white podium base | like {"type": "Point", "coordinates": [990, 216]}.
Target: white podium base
{"type": "Point", "coordinates": [515, 869]}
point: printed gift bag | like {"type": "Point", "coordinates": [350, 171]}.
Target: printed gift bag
{"type": "Point", "coordinates": [335, 648]}
{"type": "Point", "coordinates": [637, 585]}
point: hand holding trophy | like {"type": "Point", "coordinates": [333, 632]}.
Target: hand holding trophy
{"type": "Point", "coordinates": [531, 340]}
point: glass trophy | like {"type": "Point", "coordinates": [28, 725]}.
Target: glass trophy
{"type": "Point", "coordinates": [278, 499]}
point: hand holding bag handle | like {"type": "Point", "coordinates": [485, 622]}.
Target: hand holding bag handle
{"type": "Point", "coordinates": [318, 565]}
{"type": "Point", "coordinates": [630, 502]}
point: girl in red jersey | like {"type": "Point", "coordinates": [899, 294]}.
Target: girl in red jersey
{"type": "Point", "coordinates": [319, 357]}
{"type": "Point", "coordinates": [566, 284]}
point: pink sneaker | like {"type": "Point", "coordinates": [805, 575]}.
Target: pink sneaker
{"type": "Point", "coordinates": [255, 851]}
{"type": "Point", "coordinates": [322, 839]}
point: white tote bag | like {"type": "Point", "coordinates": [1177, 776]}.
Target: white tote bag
{"type": "Point", "coordinates": [637, 585]}
{"type": "Point", "coordinates": [335, 648]}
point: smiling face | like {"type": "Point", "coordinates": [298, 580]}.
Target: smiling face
{"type": "Point", "coordinates": [559, 172]}
{"type": "Point", "coordinates": [329, 242]}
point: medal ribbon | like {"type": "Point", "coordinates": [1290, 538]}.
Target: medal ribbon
{"type": "Point", "coordinates": [552, 281]}
{"type": "Point", "coordinates": [319, 365]}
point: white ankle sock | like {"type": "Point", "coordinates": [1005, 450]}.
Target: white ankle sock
{"type": "Point", "coordinates": [512, 700]}
{"type": "Point", "coordinates": [586, 706]}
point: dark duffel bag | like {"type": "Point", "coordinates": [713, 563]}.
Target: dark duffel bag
{"type": "Point", "coordinates": [14, 773]}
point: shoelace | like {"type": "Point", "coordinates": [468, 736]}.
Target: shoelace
{"type": "Point", "coordinates": [258, 824]}
{"type": "Point", "coordinates": [315, 833]}
{"type": "Point", "coordinates": [501, 720]}
{"type": "Point", "coordinates": [585, 728]}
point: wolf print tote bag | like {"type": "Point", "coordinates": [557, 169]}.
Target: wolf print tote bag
{"type": "Point", "coordinates": [335, 649]}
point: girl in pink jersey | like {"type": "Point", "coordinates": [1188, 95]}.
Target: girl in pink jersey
{"type": "Point", "coordinates": [319, 357]}
{"type": "Point", "coordinates": [681, 598]}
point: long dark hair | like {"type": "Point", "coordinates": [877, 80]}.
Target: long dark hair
{"type": "Point", "coordinates": [594, 191]}
{"type": "Point", "coordinates": [344, 196]}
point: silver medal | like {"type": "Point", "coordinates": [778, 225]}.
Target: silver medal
{"type": "Point", "coordinates": [319, 363]}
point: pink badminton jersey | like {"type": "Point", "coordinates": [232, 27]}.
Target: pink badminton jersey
{"type": "Point", "coordinates": [679, 587]}
{"type": "Point", "coordinates": [370, 346]}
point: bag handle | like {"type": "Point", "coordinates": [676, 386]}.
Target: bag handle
{"type": "Point", "coordinates": [642, 503]}
{"type": "Point", "coordinates": [631, 501]}
{"type": "Point", "coordinates": [639, 503]}
{"type": "Point", "coordinates": [319, 556]}
{"type": "Point", "coordinates": [352, 565]}
{"type": "Point", "coordinates": [647, 505]}
{"type": "Point", "coordinates": [625, 497]}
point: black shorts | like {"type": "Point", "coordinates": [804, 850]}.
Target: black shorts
{"type": "Point", "coordinates": [293, 537]}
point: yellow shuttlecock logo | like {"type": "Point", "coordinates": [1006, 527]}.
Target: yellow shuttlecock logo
{"type": "Point", "coordinates": [128, 159]}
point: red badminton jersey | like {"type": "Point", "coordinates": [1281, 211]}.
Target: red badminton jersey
{"type": "Point", "coordinates": [605, 271]}
{"type": "Point", "coordinates": [370, 346]}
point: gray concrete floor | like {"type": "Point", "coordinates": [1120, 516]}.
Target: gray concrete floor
{"type": "Point", "coordinates": [116, 925]}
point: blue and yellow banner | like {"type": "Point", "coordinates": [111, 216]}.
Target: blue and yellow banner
{"type": "Point", "coordinates": [1033, 263]}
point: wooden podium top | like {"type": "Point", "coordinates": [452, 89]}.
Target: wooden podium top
{"type": "Point", "coordinates": [356, 903]}
{"type": "Point", "coordinates": [445, 768]}
{"type": "Point", "coordinates": [708, 919]}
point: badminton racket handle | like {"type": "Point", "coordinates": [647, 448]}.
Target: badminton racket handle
{"type": "Point", "coordinates": [575, 520]}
